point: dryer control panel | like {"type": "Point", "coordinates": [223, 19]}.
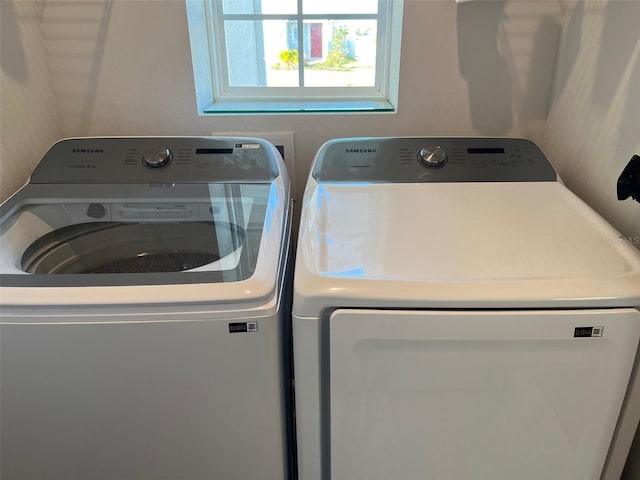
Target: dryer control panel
{"type": "Point", "coordinates": [432, 159]}
{"type": "Point", "coordinates": [161, 160]}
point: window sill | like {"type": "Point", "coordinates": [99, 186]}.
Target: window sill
{"type": "Point", "coordinates": [328, 106]}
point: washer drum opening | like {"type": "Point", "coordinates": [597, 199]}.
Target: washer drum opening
{"type": "Point", "coordinates": [116, 247]}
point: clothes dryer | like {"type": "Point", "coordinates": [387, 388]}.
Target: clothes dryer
{"type": "Point", "coordinates": [459, 314]}
{"type": "Point", "coordinates": [144, 329]}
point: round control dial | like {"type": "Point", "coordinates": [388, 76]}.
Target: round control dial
{"type": "Point", "coordinates": [157, 157]}
{"type": "Point", "coordinates": [432, 156]}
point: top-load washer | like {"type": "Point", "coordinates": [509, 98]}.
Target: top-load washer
{"type": "Point", "coordinates": [459, 314]}
{"type": "Point", "coordinates": [144, 312]}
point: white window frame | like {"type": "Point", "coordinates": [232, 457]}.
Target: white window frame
{"type": "Point", "coordinates": [214, 94]}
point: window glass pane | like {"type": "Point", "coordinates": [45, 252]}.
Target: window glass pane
{"type": "Point", "coordinates": [340, 53]}
{"type": "Point", "coordinates": [238, 6]}
{"type": "Point", "coordinates": [339, 6]}
{"type": "Point", "coordinates": [260, 6]}
{"type": "Point", "coordinates": [261, 53]}
{"type": "Point", "coordinates": [279, 6]}
{"type": "Point", "coordinates": [281, 52]}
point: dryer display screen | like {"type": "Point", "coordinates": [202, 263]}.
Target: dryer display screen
{"type": "Point", "coordinates": [485, 150]}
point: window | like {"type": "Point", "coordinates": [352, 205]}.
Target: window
{"type": "Point", "coordinates": [295, 55]}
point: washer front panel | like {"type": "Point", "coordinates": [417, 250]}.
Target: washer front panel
{"type": "Point", "coordinates": [430, 159]}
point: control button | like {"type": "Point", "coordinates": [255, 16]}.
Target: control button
{"type": "Point", "coordinates": [96, 210]}
{"type": "Point", "coordinates": [157, 157]}
{"type": "Point", "coordinates": [432, 156]}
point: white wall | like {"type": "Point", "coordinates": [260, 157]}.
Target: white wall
{"type": "Point", "coordinates": [594, 122]}
{"type": "Point", "coordinates": [28, 118]}
{"type": "Point", "coordinates": [124, 68]}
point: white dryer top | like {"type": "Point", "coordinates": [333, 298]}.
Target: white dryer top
{"type": "Point", "coordinates": [458, 245]}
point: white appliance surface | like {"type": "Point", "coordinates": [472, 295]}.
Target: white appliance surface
{"type": "Point", "coordinates": [455, 245]}
{"type": "Point", "coordinates": [448, 328]}
{"type": "Point", "coordinates": [146, 371]}
{"type": "Point", "coordinates": [39, 216]}
{"type": "Point", "coordinates": [476, 395]}
{"type": "Point", "coordinates": [141, 396]}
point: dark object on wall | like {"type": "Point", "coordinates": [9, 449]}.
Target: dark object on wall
{"type": "Point", "coordinates": [629, 180]}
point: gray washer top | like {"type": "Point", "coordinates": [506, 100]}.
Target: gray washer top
{"type": "Point", "coordinates": [120, 160]}
{"type": "Point", "coordinates": [90, 194]}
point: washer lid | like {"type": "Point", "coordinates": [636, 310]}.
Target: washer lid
{"type": "Point", "coordinates": [216, 242]}
{"type": "Point", "coordinates": [458, 245]}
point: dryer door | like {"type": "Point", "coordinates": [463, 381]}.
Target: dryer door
{"type": "Point", "coordinates": [477, 395]}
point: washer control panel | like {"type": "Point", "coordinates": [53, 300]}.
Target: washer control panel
{"type": "Point", "coordinates": [158, 160]}
{"type": "Point", "coordinates": [431, 159]}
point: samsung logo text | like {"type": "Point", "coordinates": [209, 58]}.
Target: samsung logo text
{"type": "Point", "coordinates": [87, 150]}
{"type": "Point", "coordinates": [360, 150]}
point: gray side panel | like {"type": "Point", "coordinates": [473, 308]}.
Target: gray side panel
{"type": "Point", "coordinates": [467, 160]}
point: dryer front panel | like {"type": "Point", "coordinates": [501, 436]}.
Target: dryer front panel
{"type": "Point", "coordinates": [477, 395]}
